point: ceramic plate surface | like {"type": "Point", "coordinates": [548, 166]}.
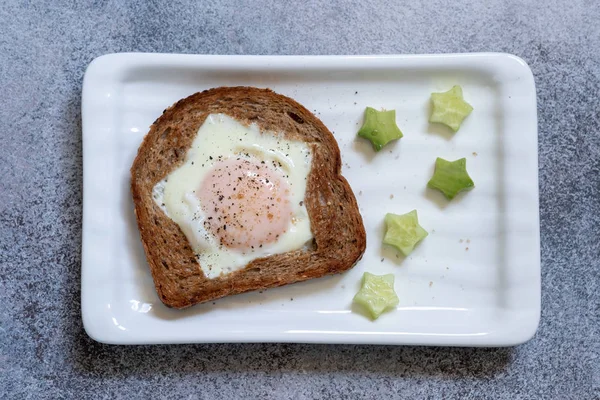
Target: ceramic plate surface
{"type": "Point", "coordinates": [474, 281]}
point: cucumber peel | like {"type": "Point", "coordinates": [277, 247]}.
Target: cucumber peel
{"type": "Point", "coordinates": [451, 177]}
{"type": "Point", "coordinates": [380, 127]}
{"type": "Point", "coordinates": [376, 293]}
{"type": "Point", "coordinates": [449, 108]}
{"type": "Point", "coordinates": [403, 231]}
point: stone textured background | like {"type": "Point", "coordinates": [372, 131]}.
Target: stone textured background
{"type": "Point", "coordinates": [45, 47]}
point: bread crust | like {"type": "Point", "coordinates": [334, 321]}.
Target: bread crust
{"type": "Point", "coordinates": [339, 234]}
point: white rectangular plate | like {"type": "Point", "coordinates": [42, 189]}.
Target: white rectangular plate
{"type": "Point", "coordinates": [474, 281]}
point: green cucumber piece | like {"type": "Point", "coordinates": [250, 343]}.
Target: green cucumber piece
{"type": "Point", "coordinates": [403, 231]}
{"type": "Point", "coordinates": [451, 177]}
{"type": "Point", "coordinates": [380, 127]}
{"type": "Point", "coordinates": [449, 108]}
{"type": "Point", "coordinates": [376, 293]}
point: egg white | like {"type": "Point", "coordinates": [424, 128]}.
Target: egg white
{"type": "Point", "coordinates": [221, 137]}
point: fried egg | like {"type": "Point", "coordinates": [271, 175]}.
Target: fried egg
{"type": "Point", "coordinates": [239, 195]}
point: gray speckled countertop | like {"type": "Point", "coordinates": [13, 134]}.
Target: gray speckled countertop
{"type": "Point", "coordinates": [45, 47]}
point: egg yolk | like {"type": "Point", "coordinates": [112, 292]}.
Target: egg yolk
{"type": "Point", "coordinates": [246, 203]}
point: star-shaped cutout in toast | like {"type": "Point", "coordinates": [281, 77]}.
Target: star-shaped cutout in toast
{"type": "Point", "coordinates": [449, 108]}
{"type": "Point", "coordinates": [451, 177]}
{"type": "Point", "coordinates": [377, 293]}
{"type": "Point", "coordinates": [403, 231]}
{"type": "Point", "coordinates": [380, 127]}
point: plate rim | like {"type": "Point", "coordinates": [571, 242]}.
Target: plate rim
{"type": "Point", "coordinates": [115, 63]}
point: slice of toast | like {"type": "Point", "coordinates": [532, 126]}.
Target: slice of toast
{"type": "Point", "coordinates": [337, 226]}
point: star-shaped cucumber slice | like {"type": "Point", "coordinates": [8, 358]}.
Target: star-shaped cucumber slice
{"type": "Point", "coordinates": [376, 293]}
{"type": "Point", "coordinates": [449, 108]}
{"type": "Point", "coordinates": [403, 231]}
{"type": "Point", "coordinates": [380, 127]}
{"type": "Point", "coordinates": [451, 177]}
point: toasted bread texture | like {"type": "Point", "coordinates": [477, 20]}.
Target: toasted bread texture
{"type": "Point", "coordinates": [337, 226]}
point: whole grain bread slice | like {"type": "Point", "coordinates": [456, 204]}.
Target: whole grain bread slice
{"type": "Point", "coordinates": [337, 226]}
